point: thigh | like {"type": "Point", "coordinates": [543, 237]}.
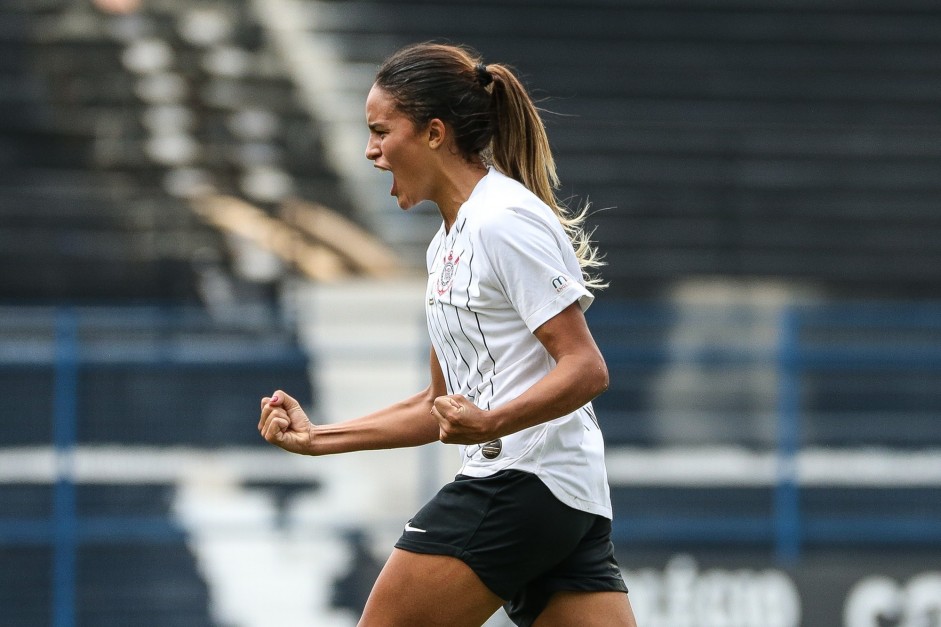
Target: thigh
{"type": "Point", "coordinates": [587, 609]}
{"type": "Point", "coordinates": [590, 568]}
{"type": "Point", "coordinates": [428, 590]}
{"type": "Point", "coordinates": [508, 528]}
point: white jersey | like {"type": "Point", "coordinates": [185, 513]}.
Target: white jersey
{"type": "Point", "coordinates": [504, 269]}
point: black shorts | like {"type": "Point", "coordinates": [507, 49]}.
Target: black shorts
{"type": "Point", "coordinates": [521, 541]}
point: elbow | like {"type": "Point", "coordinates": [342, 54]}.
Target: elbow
{"type": "Point", "coordinates": [600, 378]}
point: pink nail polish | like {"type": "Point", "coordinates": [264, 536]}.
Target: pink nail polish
{"type": "Point", "coordinates": [275, 398]}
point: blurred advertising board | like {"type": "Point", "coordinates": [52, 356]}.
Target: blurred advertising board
{"type": "Point", "coordinates": [826, 588]}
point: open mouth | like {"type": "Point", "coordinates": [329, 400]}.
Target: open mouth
{"type": "Point", "coordinates": [393, 191]}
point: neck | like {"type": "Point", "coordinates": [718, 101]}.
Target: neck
{"type": "Point", "coordinates": [457, 185]}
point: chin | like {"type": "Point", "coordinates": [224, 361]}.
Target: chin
{"type": "Point", "coordinates": [405, 204]}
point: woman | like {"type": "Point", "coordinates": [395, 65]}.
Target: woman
{"type": "Point", "coordinates": [526, 523]}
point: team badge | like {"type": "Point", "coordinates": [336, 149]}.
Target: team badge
{"type": "Point", "coordinates": [492, 449]}
{"type": "Point", "coordinates": [446, 276]}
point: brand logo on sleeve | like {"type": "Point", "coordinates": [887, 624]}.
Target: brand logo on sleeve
{"type": "Point", "coordinates": [560, 282]}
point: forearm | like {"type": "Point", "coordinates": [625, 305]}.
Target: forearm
{"type": "Point", "coordinates": [574, 382]}
{"type": "Point", "coordinates": [406, 423]}
{"type": "Point", "coordinates": [579, 375]}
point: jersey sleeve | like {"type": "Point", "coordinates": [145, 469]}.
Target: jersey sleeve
{"type": "Point", "coordinates": [535, 264]}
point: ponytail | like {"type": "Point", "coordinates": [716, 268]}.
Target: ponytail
{"type": "Point", "coordinates": [520, 149]}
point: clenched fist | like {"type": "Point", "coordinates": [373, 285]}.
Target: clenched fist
{"type": "Point", "coordinates": [284, 424]}
{"type": "Point", "coordinates": [462, 422]}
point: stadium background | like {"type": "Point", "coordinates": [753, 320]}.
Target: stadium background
{"type": "Point", "coordinates": [187, 222]}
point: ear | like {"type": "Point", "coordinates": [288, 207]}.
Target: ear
{"type": "Point", "coordinates": [436, 133]}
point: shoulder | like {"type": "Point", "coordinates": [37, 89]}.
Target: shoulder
{"type": "Point", "coordinates": [507, 206]}
{"type": "Point", "coordinates": [501, 189]}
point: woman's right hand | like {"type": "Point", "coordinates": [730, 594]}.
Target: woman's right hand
{"type": "Point", "coordinates": [284, 423]}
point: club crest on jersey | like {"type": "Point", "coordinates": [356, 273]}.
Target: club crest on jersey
{"type": "Point", "coordinates": [446, 276]}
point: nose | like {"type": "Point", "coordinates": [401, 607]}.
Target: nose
{"type": "Point", "coordinates": [372, 148]}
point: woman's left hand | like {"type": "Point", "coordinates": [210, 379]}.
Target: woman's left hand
{"type": "Point", "coordinates": [462, 422]}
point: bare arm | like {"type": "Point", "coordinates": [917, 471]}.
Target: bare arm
{"type": "Point", "coordinates": [407, 423]}
{"type": "Point", "coordinates": [580, 374]}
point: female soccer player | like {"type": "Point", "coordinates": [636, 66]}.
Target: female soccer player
{"type": "Point", "coordinates": [527, 521]}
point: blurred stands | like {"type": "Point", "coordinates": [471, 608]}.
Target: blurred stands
{"type": "Point", "coordinates": [111, 125]}
{"type": "Point", "coordinates": [861, 375]}
{"type": "Point", "coordinates": [126, 381]}
{"type": "Point", "coordinates": [73, 230]}
{"type": "Point", "coordinates": [776, 143]}
{"type": "Point", "coordinates": [760, 173]}
{"type": "Point", "coordinates": [772, 140]}
{"type": "Point", "coordinates": [122, 579]}
{"type": "Point", "coordinates": [795, 428]}
{"type": "Point", "coordinates": [127, 318]}
{"type": "Point", "coordinates": [116, 121]}
{"type": "Point", "coordinates": [145, 375]}
{"type": "Point", "coordinates": [766, 139]}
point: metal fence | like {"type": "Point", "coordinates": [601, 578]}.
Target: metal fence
{"type": "Point", "coordinates": [786, 428]}
{"type": "Point", "coordinates": [792, 426]}
{"type": "Point", "coordinates": [161, 371]}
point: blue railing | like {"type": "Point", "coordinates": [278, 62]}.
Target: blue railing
{"type": "Point", "coordinates": [807, 347]}
{"type": "Point", "coordinates": [69, 341]}
{"type": "Point", "coordinates": [814, 348]}
{"type": "Point", "coordinates": [64, 426]}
